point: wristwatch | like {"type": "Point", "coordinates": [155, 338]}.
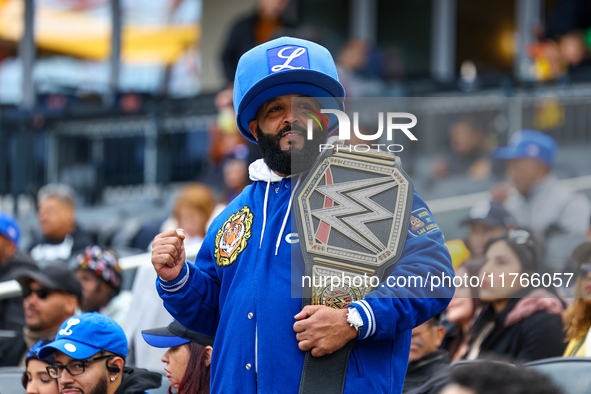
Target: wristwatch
{"type": "Point", "coordinates": [354, 319]}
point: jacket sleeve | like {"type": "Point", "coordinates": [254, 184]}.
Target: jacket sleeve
{"type": "Point", "coordinates": [413, 291]}
{"type": "Point", "coordinates": [193, 297]}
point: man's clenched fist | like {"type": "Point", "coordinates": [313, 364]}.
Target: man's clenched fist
{"type": "Point", "coordinates": [168, 253]}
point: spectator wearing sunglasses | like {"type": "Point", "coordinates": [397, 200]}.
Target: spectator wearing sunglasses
{"type": "Point", "coordinates": [577, 318]}
{"type": "Point", "coordinates": [50, 296]}
{"type": "Point", "coordinates": [36, 379]}
{"type": "Point", "coordinates": [90, 351]}
{"type": "Point", "coordinates": [518, 320]}
{"type": "Point", "coordinates": [188, 358]}
{"type": "Point", "coordinates": [11, 260]}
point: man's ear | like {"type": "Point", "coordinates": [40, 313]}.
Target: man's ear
{"type": "Point", "coordinates": [252, 126]}
{"type": "Point", "coordinates": [440, 335]}
{"type": "Point", "coordinates": [116, 363]}
{"type": "Point", "coordinates": [207, 355]}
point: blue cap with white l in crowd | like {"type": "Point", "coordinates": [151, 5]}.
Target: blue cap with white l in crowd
{"type": "Point", "coordinates": [529, 144]}
{"type": "Point", "coordinates": [9, 228]}
{"type": "Point", "coordinates": [283, 66]}
{"type": "Point", "coordinates": [83, 336]}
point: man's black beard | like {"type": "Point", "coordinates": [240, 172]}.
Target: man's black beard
{"type": "Point", "coordinates": [99, 388]}
{"type": "Point", "coordinates": [293, 161]}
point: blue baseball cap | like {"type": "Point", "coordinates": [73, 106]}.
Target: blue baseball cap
{"type": "Point", "coordinates": [282, 66]}
{"type": "Point", "coordinates": [529, 144]}
{"type": "Point", "coordinates": [83, 336]}
{"type": "Point", "coordinates": [33, 353]}
{"type": "Point", "coordinates": [174, 335]}
{"type": "Point", "coordinates": [9, 228]}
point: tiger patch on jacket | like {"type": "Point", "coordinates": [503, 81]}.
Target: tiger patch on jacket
{"type": "Point", "coordinates": [233, 237]}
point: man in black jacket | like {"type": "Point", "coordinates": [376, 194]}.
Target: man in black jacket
{"type": "Point", "coordinates": [90, 351]}
{"type": "Point", "coordinates": [425, 358]}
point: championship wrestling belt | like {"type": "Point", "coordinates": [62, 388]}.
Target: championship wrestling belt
{"type": "Point", "coordinates": [352, 213]}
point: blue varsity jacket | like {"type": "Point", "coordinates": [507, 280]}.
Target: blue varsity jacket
{"type": "Point", "coordinates": [240, 289]}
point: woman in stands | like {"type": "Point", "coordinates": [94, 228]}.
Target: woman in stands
{"type": "Point", "coordinates": [35, 378]}
{"type": "Point", "coordinates": [521, 319]}
{"type": "Point", "coordinates": [188, 351]}
{"type": "Point", "coordinates": [577, 319]}
{"type": "Point", "coordinates": [462, 311]}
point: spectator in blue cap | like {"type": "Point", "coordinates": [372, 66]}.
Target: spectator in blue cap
{"type": "Point", "coordinates": [541, 202]}
{"type": "Point", "coordinates": [11, 260]}
{"type": "Point", "coordinates": [36, 379]}
{"type": "Point", "coordinates": [90, 351]}
{"type": "Point", "coordinates": [188, 358]}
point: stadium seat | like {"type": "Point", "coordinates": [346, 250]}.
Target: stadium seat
{"type": "Point", "coordinates": [10, 380]}
{"type": "Point", "coordinates": [571, 374]}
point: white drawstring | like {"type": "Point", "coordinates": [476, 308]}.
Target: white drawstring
{"type": "Point", "coordinates": [265, 213]}
{"type": "Point", "coordinates": [286, 214]}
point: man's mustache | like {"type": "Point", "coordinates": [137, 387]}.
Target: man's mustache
{"type": "Point", "coordinates": [291, 127]}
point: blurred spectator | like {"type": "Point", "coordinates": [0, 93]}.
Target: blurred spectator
{"type": "Point", "coordinates": [469, 152]}
{"type": "Point", "coordinates": [360, 68]}
{"type": "Point", "coordinates": [84, 339]}
{"type": "Point", "coordinates": [577, 319]}
{"type": "Point", "coordinates": [494, 377]}
{"type": "Point", "coordinates": [11, 309]}
{"type": "Point", "coordinates": [458, 252]}
{"type": "Point", "coordinates": [188, 358]}
{"type": "Point", "coordinates": [51, 296]}
{"type": "Point", "coordinates": [228, 148]}
{"type": "Point", "coordinates": [539, 202]}
{"type": "Point", "coordinates": [461, 312]}
{"type": "Point", "coordinates": [257, 27]}
{"type": "Point", "coordinates": [519, 320]}
{"type": "Point", "coordinates": [192, 210]}
{"type": "Point", "coordinates": [487, 220]}
{"type": "Point", "coordinates": [235, 177]}
{"type": "Point", "coordinates": [100, 275]}
{"type": "Point", "coordinates": [565, 46]}
{"type": "Point", "coordinates": [62, 237]}
{"type": "Point", "coordinates": [425, 357]}
{"type": "Point", "coordinates": [260, 25]}
{"type": "Point", "coordinates": [35, 378]}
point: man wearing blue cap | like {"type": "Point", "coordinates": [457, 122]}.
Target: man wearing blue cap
{"type": "Point", "coordinates": [90, 351]}
{"type": "Point", "coordinates": [11, 260]}
{"type": "Point", "coordinates": [240, 284]}
{"type": "Point", "coordinates": [541, 203]}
